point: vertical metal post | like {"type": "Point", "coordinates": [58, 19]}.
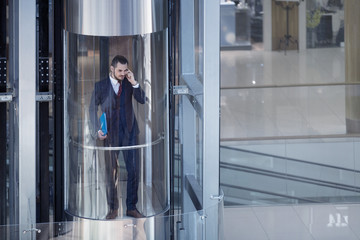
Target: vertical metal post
{"type": "Point", "coordinates": [3, 116]}
{"type": "Point", "coordinates": [173, 71]}
{"type": "Point", "coordinates": [58, 115]}
{"type": "Point", "coordinates": [25, 14]}
{"type": "Point", "coordinates": [302, 26]}
{"type": "Point", "coordinates": [267, 25]}
{"type": "Point", "coordinates": [352, 71]}
{"type": "Point", "coordinates": [211, 110]}
{"type": "Point", "coordinates": [206, 67]}
{"type": "Point", "coordinates": [43, 127]}
{"type": "Point", "coordinates": [104, 57]}
{"type": "Point", "coordinates": [13, 123]}
{"type": "Point", "coordinates": [97, 187]}
{"type": "Point", "coordinates": [142, 178]}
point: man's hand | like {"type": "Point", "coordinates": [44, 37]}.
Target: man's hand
{"type": "Point", "coordinates": [131, 78]}
{"type": "Point", "coordinates": [101, 135]}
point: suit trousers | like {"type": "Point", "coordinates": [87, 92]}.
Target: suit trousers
{"type": "Point", "coordinates": [112, 166]}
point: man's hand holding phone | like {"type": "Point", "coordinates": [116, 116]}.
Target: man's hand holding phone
{"type": "Point", "coordinates": [130, 77]}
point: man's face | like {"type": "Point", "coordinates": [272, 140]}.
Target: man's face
{"type": "Point", "coordinates": [119, 72]}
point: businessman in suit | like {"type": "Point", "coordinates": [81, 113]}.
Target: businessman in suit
{"type": "Point", "coordinates": [114, 95]}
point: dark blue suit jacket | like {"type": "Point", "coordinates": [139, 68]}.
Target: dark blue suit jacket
{"type": "Point", "coordinates": [105, 97]}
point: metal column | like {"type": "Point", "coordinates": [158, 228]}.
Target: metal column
{"type": "Point", "coordinates": [23, 43]}
{"type": "Point", "coordinates": [3, 115]}
{"type": "Point", "coordinates": [211, 117]}
{"type": "Point", "coordinates": [43, 126]}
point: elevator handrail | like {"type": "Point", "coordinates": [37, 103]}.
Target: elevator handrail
{"type": "Point", "coordinates": [269, 193]}
{"type": "Point", "coordinates": [300, 179]}
{"type": "Point", "coordinates": [89, 147]}
{"type": "Point", "coordinates": [290, 159]}
{"type": "Point", "coordinates": [239, 167]}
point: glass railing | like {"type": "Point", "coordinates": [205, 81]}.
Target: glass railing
{"type": "Point", "coordinates": [254, 178]}
{"type": "Point", "coordinates": [190, 225]}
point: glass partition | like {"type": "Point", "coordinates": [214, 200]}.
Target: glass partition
{"type": "Point", "coordinates": [126, 168]}
{"type": "Point", "coordinates": [128, 228]}
{"type": "Point", "coordinates": [290, 171]}
{"type": "Point", "coordinates": [290, 120]}
{"type": "Point", "coordinates": [281, 112]}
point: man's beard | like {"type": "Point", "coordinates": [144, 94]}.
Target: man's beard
{"type": "Point", "coordinates": [116, 78]}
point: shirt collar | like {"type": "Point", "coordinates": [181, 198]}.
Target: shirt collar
{"type": "Point", "coordinates": [113, 81]}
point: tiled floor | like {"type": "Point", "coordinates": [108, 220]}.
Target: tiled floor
{"type": "Point", "coordinates": [268, 95]}
{"type": "Point", "coordinates": [264, 68]}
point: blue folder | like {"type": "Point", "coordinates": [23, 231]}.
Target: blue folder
{"type": "Point", "coordinates": [103, 126]}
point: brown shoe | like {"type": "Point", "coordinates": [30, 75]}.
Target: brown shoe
{"type": "Point", "coordinates": [134, 213]}
{"type": "Point", "coordinates": [112, 214]}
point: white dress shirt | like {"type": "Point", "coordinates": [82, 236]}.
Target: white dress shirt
{"type": "Point", "coordinates": [115, 84]}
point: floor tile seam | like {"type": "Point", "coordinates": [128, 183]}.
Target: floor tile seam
{"type": "Point", "coordinates": [268, 119]}
{"type": "Point", "coordinates": [330, 109]}
{"type": "Point", "coordinates": [234, 117]}
{"type": "Point", "coordinates": [298, 111]}
{"type": "Point", "coordinates": [258, 218]}
{"type": "Point", "coordinates": [260, 223]}
{"type": "Point", "coordinates": [273, 123]}
{"type": "Point", "coordinates": [304, 224]}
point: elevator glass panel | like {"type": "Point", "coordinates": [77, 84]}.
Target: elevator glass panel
{"type": "Point", "coordinates": [87, 70]}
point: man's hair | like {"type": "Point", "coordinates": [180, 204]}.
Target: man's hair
{"type": "Point", "coordinates": [119, 59]}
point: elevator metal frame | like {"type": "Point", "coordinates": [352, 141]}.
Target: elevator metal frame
{"type": "Point", "coordinates": [196, 111]}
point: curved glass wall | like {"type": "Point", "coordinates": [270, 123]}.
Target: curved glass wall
{"type": "Point", "coordinates": [129, 168]}
{"type": "Point", "coordinates": [193, 227]}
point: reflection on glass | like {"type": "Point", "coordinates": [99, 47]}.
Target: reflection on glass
{"type": "Point", "coordinates": [127, 228]}
{"type": "Point", "coordinates": [324, 23]}
{"type": "Point", "coordinates": [199, 150]}
{"type": "Point", "coordinates": [255, 178]}
{"type": "Point", "coordinates": [199, 39]}
{"type": "Point", "coordinates": [123, 172]}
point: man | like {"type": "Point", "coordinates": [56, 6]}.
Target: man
{"type": "Point", "coordinates": [114, 96]}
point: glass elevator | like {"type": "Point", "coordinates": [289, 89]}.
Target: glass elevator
{"type": "Point", "coordinates": [89, 47]}
{"type": "Point", "coordinates": [54, 55]}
